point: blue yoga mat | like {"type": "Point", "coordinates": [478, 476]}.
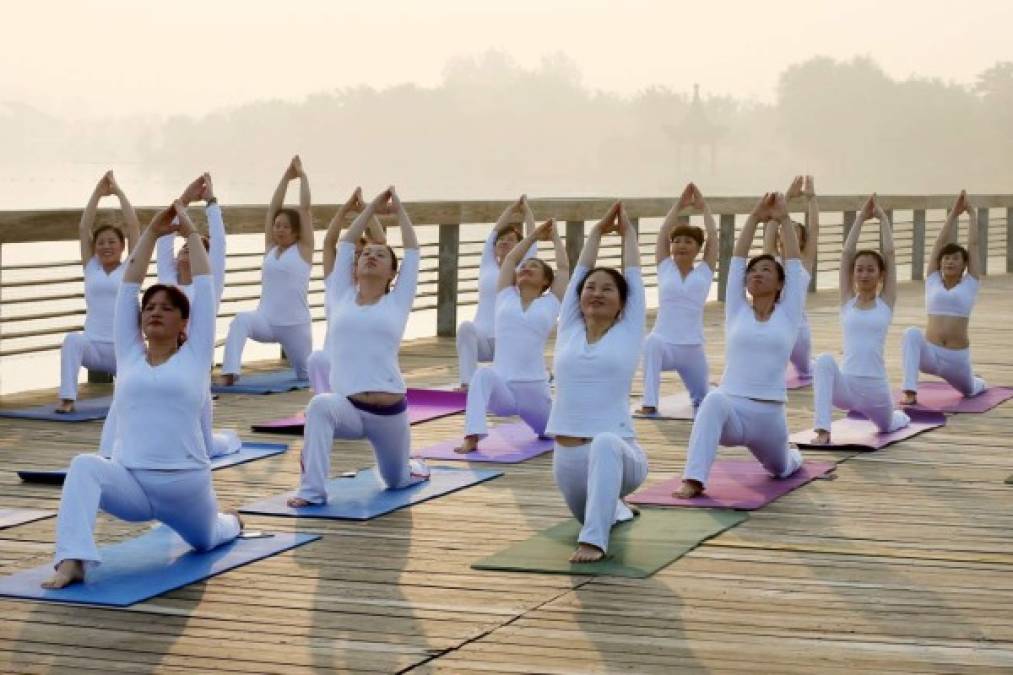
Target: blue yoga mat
{"type": "Point", "coordinates": [263, 383]}
{"type": "Point", "coordinates": [12, 517]}
{"type": "Point", "coordinates": [84, 411]}
{"type": "Point", "coordinates": [248, 453]}
{"type": "Point", "coordinates": [363, 497]}
{"type": "Point", "coordinates": [146, 566]}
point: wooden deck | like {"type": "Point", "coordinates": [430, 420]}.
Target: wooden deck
{"type": "Point", "coordinates": [903, 563]}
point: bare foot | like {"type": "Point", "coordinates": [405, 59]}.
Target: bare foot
{"type": "Point", "coordinates": [648, 410]}
{"type": "Point", "coordinates": [239, 519]}
{"type": "Point", "coordinates": [226, 380]}
{"type": "Point", "coordinates": [586, 553]}
{"type": "Point", "coordinates": [67, 572]}
{"type": "Point", "coordinates": [633, 509]}
{"type": "Point", "coordinates": [690, 488]}
{"type": "Point", "coordinates": [66, 406]}
{"type": "Point", "coordinates": [909, 398]}
{"type": "Point", "coordinates": [822, 437]}
{"type": "Point", "coordinates": [298, 502]}
{"type": "Point", "coordinates": [469, 444]}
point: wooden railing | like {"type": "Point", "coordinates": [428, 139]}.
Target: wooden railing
{"type": "Point", "coordinates": [41, 301]}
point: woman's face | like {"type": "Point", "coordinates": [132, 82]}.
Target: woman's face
{"type": "Point", "coordinates": [108, 248]}
{"type": "Point", "coordinates": [600, 299]}
{"type": "Point", "coordinates": [375, 262]}
{"type": "Point", "coordinates": [867, 274]}
{"type": "Point", "coordinates": [762, 279]}
{"type": "Point", "coordinates": [952, 265]}
{"type": "Point", "coordinates": [684, 248]}
{"type": "Point", "coordinates": [160, 319]}
{"type": "Point", "coordinates": [282, 231]}
{"type": "Point", "coordinates": [505, 244]}
{"type": "Point", "coordinates": [531, 273]}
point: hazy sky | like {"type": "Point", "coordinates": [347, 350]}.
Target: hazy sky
{"type": "Point", "coordinates": [186, 56]}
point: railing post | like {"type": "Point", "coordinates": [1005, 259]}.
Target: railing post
{"type": "Point", "coordinates": [983, 239]}
{"type": "Point", "coordinates": [574, 240]}
{"type": "Point", "coordinates": [446, 279]}
{"type": "Point", "coordinates": [726, 243]}
{"type": "Point", "coordinates": [1009, 240]}
{"type": "Point", "coordinates": [918, 245]}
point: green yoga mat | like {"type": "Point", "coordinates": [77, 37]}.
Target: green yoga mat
{"type": "Point", "coordinates": [637, 548]}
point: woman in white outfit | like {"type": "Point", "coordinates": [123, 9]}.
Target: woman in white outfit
{"type": "Point", "coordinates": [866, 312]}
{"type": "Point", "coordinates": [319, 362]}
{"type": "Point", "coordinates": [527, 305]}
{"type": "Point", "coordinates": [367, 321]}
{"type": "Point", "coordinates": [476, 339]}
{"type": "Point", "coordinates": [283, 315]}
{"type": "Point", "coordinates": [748, 408]}
{"type": "Point", "coordinates": [597, 461]}
{"type": "Point", "coordinates": [101, 256]}
{"type": "Point", "coordinates": [676, 343]}
{"type": "Point", "coordinates": [159, 469]}
{"type": "Point", "coordinates": [802, 187]}
{"type": "Point", "coordinates": [944, 349]}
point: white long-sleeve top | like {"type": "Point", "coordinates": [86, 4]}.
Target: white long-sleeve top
{"type": "Point", "coordinates": [956, 301]}
{"type": "Point", "coordinates": [593, 380]}
{"type": "Point", "coordinates": [159, 407]}
{"type": "Point", "coordinates": [365, 339]}
{"type": "Point", "coordinates": [284, 285]}
{"type": "Point", "coordinates": [165, 258]}
{"type": "Point", "coordinates": [521, 335]}
{"type": "Point", "coordinates": [488, 280]}
{"type": "Point", "coordinates": [864, 337]}
{"type": "Point", "coordinates": [100, 291]}
{"type": "Point", "coordinates": [756, 352]}
{"type": "Point", "coordinates": [681, 302]}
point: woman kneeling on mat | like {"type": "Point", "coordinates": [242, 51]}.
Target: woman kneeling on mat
{"type": "Point", "coordinates": [601, 326]}
{"type": "Point", "coordinates": [748, 407]}
{"type": "Point", "coordinates": [101, 255]}
{"type": "Point", "coordinates": [367, 322]}
{"type": "Point", "coordinates": [160, 468]}
{"type": "Point", "coordinates": [944, 349]}
{"type": "Point", "coordinates": [517, 383]}
{"type": "Point", "coordinates": [866, 311]}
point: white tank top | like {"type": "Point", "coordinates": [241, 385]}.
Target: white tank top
{"type": "Point", "coordinates": [864, 336]}
{"type": "Point", "coordinates": [681, 302]}
{"type": "Point", "coordinates": [957, 301]}
{"type": "Point", "coordinates": [100, 291]}
{"type": "Point", "coordinates": [285, 281]}
{"type": "Point", "coordinates": [521, 335]}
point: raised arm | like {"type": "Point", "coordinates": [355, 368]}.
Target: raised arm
{"type": "Point", "coordinates": [562, 275]}
{"type": "Point", "coordinates": [87, 221]}
{"type": "Point", "coordinates": [512, 259]}
{"type": "Point", "coordinates": [277, 201]}
{"type": "Point", "coordinates": [973, 245]}
{"type": "Point", "coordinates": [889, 292]}
{"type": "Point", "coordinates": [631, 240]}
{"type": "Point", "coordinates": [201, 328]}
{"type": "Point", "coordinates": [845, 275]}
{"type": "Point", "coordinates": [946, 232]}
{"type": "Point", "coordinates": [137, 264]}
{"type": "Point", "coordinates": [710, 246]}
{"type": "Point", "coordinates": [306, 235]}
{"type": "Point", "coordinates": [813, 226]}
{"type": "Point", "coordinates": [760, 213]}
{"type": "Point", "coordinates": [788, 235]}
{"type": "Point", "coordinates": [408, 238]}
{"type": "Point", "coordinates": [662, 246]}
{"type": "Point", "coordinates": [353, 204]}
{"type": "Point", "coordinates": [132, 226]}
{"type": "Point", "coordinates": [608, 223]}
{"type": "Point", "coordinates": [217, 237]}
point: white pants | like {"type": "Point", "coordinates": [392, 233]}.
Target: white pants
{"type": "Point", "coordinates": [318, 365]}
{"type": "Point", "coordinates": [331, 416]}
{"type": "Point", "coordinates": [218, 443]}
{"type": "Point", "coordinates": [297, 341]}
{"type": "Point", "coordinates": [728, 420]}
{"type": "Point", "coordinates": [183, 499]}
{"type": "Point", "coordinates": [80, 350]}
{"type": "Point", "coordinates": [489, 392]}
{"type": "Point", "coordinates": [801, 353]}
{"type": "Point", "coordinates": [473, 346]}
{"type": "Point", "coordinates": [953, 365]}
{"type": "Point", "coordinates": [690, 361]}
{"type": "Point", "coordinates": [870, 396]}
{"type": "Point", "coordinates": [594, 477]}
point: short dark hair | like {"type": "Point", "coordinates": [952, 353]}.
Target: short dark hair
{"type": "Point", "coordinates": [547, 272]}
{"type": "Point", "coordinates": [293, 219]}
{"type": "Point", "coordinates": [107, 228]}
{"type": "Point", "coordinates": [685, 230]}
{"type": "Point", "coordinates": [950, 249]}
{"type": "Point", "coordinates": [872, 254]}
{"type": "Point", "coordinates": [753, 262]}
{"type": "Point", "coordinates": [803, 233]}
{"type": "Point", "coordinates": [177, 298]}
{"type": "Point", "coordinates": [510, 229]}
{"type": "Point", "coordinates": [617, 277]}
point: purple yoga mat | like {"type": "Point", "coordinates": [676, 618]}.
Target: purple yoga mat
{"type": "Point", "coordinates": [856, 431]}
{"type": "Point", "coordinates": [423, 405]}
{"type": "Point", "coordinates": [505, 444]}
{"type": "Point", "coordinates": [734, 484]}
{"type": "Point", "coordinates": [941, 397]}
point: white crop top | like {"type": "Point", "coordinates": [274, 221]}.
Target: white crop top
{"type": "Point", "coordinates": [365, 339]}
{"type": "Point", "coordinates": [957, 301]}
{"type": "Point", "coordinates": [521, 335]}
{"type": "Point", "coordinates": [864, 336]}
{"type": "Point", "coordinates": [593, 380]}
{"type": "Point", "coordinates": [100, 291]}
{"type": "Point", "coordinates": [285, 281]}
{"type": "Point", "coordinates": [165, 258]}
{"type": "Point", "coordinates": [488, 280]}
{"type": "Point", "coordinates": [681, 302]}
{"type": "Point", "coordinates": [159, 407]}
{"type": "Point", "coordinates": [756, 352]}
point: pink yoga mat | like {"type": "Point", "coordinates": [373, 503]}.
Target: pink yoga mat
{"type": "Point", "coordinates": [856, 431]}
{"type": "Point", "coordinates": [734, 484]}
{"type": "Point", "coordinates": [941, 397]}
{"type": "Point", "coordinates": [505, 444]}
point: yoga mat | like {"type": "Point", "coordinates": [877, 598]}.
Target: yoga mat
{"type": "Point", "coordinates": [674, 407]}
{"type": "Point", "coordinates": [362, 497]}
{"type": "Point", "coordinates": [263, 383]}
{"type": "Point", "coordinates": [13, 517]}
{"type": "Point", "coordinates": [734, 484]}
{"type": "Point", "coordinates": [248, 453]}
{"type": "Point", "coordinates": [153, 563]}
{"type": "Point", "coordinates": [637, 548]}
{"type": "Point", "coordinates": [506, 444]}
{"type": "Point", "coordinates": [941, 397]}
{"type": "Point", "coordinates": [423, 405]}
{"type": "Point", "coordinates": [85, 410]}
{"type": "Point", "coordinates": [856, 431]}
